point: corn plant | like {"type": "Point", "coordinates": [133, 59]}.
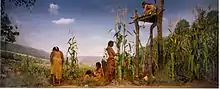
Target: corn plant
{"type": "Point", "coordinates": [121, 41]}
{"type": "Point", "coordinates": [118, 58]}
{"type": "Point", "coordinates": [127, 56]}
{"type": "Point", "coordinates": [71, 63]}
{"type": "Point", "coordinates": [130, 59]}
{"type": "Point", "coordinates": [191, 49]}
{"type": "Point", "coordinates": [171, 61]}
{"type": "Point", "coordinates": [199, 28]}
{"type": "Point", "coordinates": [126, 33]}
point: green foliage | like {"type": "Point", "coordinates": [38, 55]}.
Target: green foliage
{"type": "Point", "coordinates": [26, 3]}
{"type": "Point", "coordinates": [189, 47]}
{"type": "Point", "coordinates": [182, 26]}
{"type": "Point", "coordinates": [190, 51]}
{"type": "Point", "coordinates": [207, 25]}
{"type": "Point", "coordinates": [71, 64]}
{"type": "Point", "coordinates": [121, 43]}
{"type": "Point", "coordinates": [8, 31]}
{"type": "Point", "coordinates": [26, 72]}
{"type": "Point", "coordinates": [119, 39]}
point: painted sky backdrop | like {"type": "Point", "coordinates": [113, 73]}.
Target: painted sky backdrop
{"type": "Point", "coordinates": [49, 22]}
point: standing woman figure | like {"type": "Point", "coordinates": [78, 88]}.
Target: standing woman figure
{"type": "Point", "coordinates": [111, 61]}
{"type": "Point", "coordinates": [51, 65]}
{"type": "Point", "coordinates": [57, 60]}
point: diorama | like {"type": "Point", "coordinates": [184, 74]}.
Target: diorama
{"type": "Point", "coordinates": [109, 43]}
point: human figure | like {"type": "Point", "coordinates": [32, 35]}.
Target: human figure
{"type": "Point", "coordinates": [89, 74]}
{"type": "Point", "coordinates": [57, 60]}
{"type": "Point", "coordinates": [149, 8]}
{"type": "Point", "coordinates": [99, 74]}
{"type": "Point", "coordinates": [51, 65]}
{"type": "Point", "coordinates": [111, 61]}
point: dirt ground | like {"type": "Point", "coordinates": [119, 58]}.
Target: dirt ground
{"type": "Point", "coordinates": [194, 84]}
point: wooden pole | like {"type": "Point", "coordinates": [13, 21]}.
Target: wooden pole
{"type": "Point", "coordinates": [151, 51]}
{"type": "Point", "coordinates": [159, 32]}
{"type": "Point", "coordinates": [137, 43]}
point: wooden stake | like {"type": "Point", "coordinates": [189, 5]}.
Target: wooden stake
{"type": "Point", "coordinates": [137, 43]}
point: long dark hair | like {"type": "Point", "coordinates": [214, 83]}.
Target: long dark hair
{"type": "Point", "coordinates": [55, 48]}
{"type": "Point", "coordinates": [88, 72]}
{"type": "Point", "coordinates": [144, 3]}
{"type": "Point", "coordinates": [98, 64]}
{"type": "Point", "coordinates": [110, 43]}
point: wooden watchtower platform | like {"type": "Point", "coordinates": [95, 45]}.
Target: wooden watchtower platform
{"type": "Point", "coordinates": [156, 19]}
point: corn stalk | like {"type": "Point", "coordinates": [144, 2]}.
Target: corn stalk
{"type": "Point", "coordinates": [130, 56]}
{"type": "Point", "coordinates": [121, 41]}
{"type": "Point", "coordinates": [172, 51]}
{"type": "Point", "coordinates": [126, 32]}
{"type": "Point", "coordinates": [71, 63]}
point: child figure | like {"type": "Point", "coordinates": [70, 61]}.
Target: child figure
{"type": "Point", "coordinates": [99, 74]}
{"type": "Point", "coordinates": [88, 75]}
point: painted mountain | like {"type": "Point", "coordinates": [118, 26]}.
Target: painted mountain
{"type": "Point", "coordinates": [87, 60]}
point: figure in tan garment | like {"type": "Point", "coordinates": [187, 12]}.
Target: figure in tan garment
{"type": "Point", "coordinates": [149, 8]}
{"type": "Point", "coordinates": [111, 61]}
{"type": "Point", "coordinates": [57, 60]}
{"type": "Point", "coordinates": [89, 74]}
{"type": "Point", "coordinates": [99, 74]}
{"type": "Point", "coordinates": [51, 65]}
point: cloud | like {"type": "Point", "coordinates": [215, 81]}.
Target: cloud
{"type": "Point", "coordinates": [63, 21]}
{"type": "Point", "coordinates": [53, 8]}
